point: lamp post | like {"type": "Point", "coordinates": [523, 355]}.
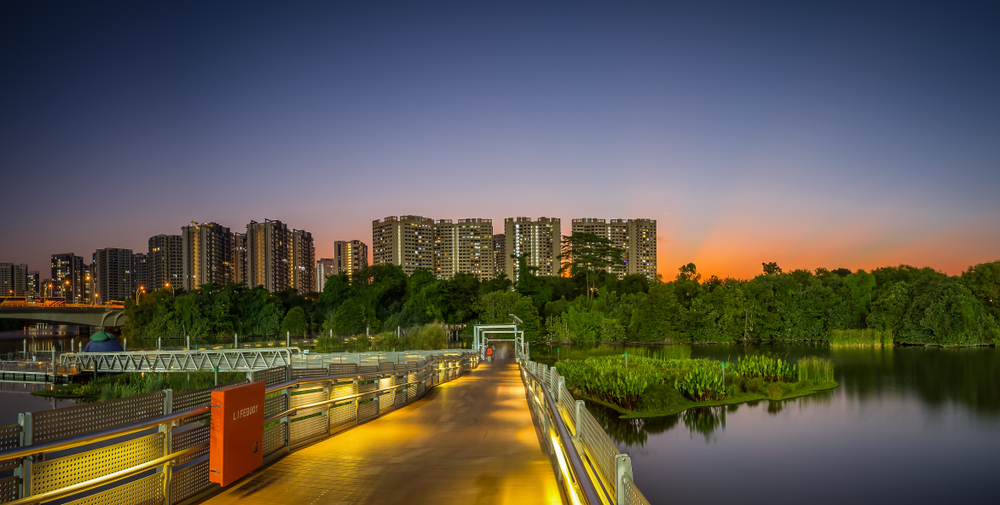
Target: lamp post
{"type": "Point", "coordinates": [141, 290]}
{"type": "Point", "coordinates": [167, 285]}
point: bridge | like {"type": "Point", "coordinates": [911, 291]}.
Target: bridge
{"type": "Point", "coordinates": [427, 427]}
{"type": "Point", "coordinates": [84, 315]}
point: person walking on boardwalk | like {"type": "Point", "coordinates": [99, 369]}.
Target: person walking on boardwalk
{"type": "Point", "coordinates": [489, 353]}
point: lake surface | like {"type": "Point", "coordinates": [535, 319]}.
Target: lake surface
{"type": "Point", "coordinates": [906, 425]}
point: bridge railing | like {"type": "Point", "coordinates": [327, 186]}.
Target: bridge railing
{"type": "Point", "coordinates": [590, 463]}
{"type": "Point", "coordinates": [153, 448]}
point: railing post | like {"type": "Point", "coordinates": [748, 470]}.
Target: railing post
{"type": "Point", "coordinates": [287, 420]}
{"type": "Point", "coordinates": [623, 467]}
{"type": "Point", "coordinates": [24, 471]}
{"type": "Point", "coordinates": [578, 434]}
{"type": "Point", "coordinates": [560, 385]}
{"type": "Point", "coordinates": [168, 443]}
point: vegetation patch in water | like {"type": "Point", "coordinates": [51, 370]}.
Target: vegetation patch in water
{"type": "Point", "coordinates": [861, 338]}
{"type": "Point", "coordinates": [656, 387]}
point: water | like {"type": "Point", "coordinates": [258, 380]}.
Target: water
{"type": "Point", "coordinates": [906, 425]}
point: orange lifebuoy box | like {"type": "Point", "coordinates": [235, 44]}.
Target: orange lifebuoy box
{"type": "Point", "coordinates": [237, 432]}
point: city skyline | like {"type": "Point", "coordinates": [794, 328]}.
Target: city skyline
{"type": "Point", "coordinates": [847, 135]}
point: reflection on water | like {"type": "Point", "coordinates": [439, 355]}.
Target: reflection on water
{"type": "Point", "coordinates": [907, 425]}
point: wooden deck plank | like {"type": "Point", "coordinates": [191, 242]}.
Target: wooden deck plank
{"type": "Point", "coordinates": [469, 441]}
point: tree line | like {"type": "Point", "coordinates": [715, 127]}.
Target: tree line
{"type": "Point", "coordinates": [591, 304]}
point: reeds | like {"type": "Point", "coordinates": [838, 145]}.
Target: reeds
{"type": "Point", "coordinates": [815, 369]}
{"type": "Point", "coordinates": [861, 338]}
{"type": "Point", "coordinates": [767, 368]}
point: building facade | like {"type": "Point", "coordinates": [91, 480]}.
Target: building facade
{"type": "Point", "coordinates": [407, 241]}
{"type": "Point", "coordinates": [476, 255]}
{"type": "Point", "coordinates": [268, 246]}
{"type": "Point", "coordinates": [325, 267]}
{"type": "Point", "coordinates": [206, 255]}
{"type": "Point", "coordinates": [499, 254]}
{"type": "Point", "coordinates": [165, 258]}
{"type": "Point", "coordinates": [349, 256]}
{"type": "Point", "coordinates": [303, 262]}
{"type": "Point", "coordinates": [34, 284]}
{"type": "Point", "coordinates": [14, 279]}
{"type": "Point", "coordinates": [141, 274]}
{"type": "Point", "coordinates": [445, 249]}
{"type": "Point", "coordinates": [113, 272]}
{"type": "Point", "coordinates": [239, 257]}
{"type": "Point", "coordinates": [540, 240]}
{"type": "Point", "coordinates": [69, 278]}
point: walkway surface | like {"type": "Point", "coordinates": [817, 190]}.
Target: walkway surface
{"type": "Point", "coordinates": [469, 441]}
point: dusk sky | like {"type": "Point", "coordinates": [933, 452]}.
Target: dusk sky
{"type": "Point", "coordinates": [851, 135]}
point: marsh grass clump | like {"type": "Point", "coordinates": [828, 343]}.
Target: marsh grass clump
{"type": "Point", "coordinates": [815, 369]}
{"type": "Point", "coordinates": [765, 367]}
{"type": "Point", "coordinates": [861, 338]}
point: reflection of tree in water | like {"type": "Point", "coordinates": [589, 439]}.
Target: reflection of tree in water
{"type": "Point", "coordinates": [632, 432]}
{"type": "Point", "coordinates": [706, 420]}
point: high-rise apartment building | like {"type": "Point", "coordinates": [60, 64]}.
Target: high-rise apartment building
{"type": "Point", "coordinates": [279, 259]}
{"type": "Point", "coordinates": [476, 255]}
{"type": "Point", "coordinates": [303, 262]}
{"type": "Point", "coordinates": [642, 247]}
{"type": "Point", "coordinates": [407, 241]}
{"type": "Point", "coordinates": [34, 284]}
{"type": "Point", "coordinates": [637, 237]}
{"type": "Point", "coordinates": [69, 278]}
{"type": "Point", "coordinates": [540, 240]}
{"type": "Point", "coordinates": [13, 279]}
{"type": "Point", "coordinates": [325, 267]}
{"type": "Point", "coordinates": [500, 254]}
{"type": "Point", "coordinates": [113, 271]}
{"type": "Point", "coordinates": [465, 246]}
{"type": "Point", "coordinates": [349, 256]}
{"type": "Point", "coordinates": [207, 254]}
{"type": "Point", "coordinates": [166, 262]}
{"type": "Point", "coordinates": [141, 274]}
{"type": "Point", "coordinates": [445, 249]}
{"type": "Point", "coordinates": [268, 246]}
{"type": "Point", "coordinates": [239, 257]}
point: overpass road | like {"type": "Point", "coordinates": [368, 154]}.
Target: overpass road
{"type": "Point", "coordinates": [470, 441]}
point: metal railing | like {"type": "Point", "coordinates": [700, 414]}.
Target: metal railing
{"type": "Point", "coordinates": [591, 467]}
{"type": "Point", "coordinates": [226, 360]}
{"type": "Point", "coordinates": [153, 448]}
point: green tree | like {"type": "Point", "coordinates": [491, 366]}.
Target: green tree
{"type": "Point", "coordinates": [589, 253]}
{"type": "Point", "coordinates": [295, 322]}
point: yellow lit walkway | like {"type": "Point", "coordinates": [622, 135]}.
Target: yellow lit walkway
{"type": "Point", "coordinates": [469, 441]}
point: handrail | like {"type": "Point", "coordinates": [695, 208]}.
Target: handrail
{"type": "Point", "coordinates": [99, 436]}
{"type": "Point", "coordinates": [590, 492]}
{"type": "Point", "coordinates": [99, 481]}
{"type": "Point", "coordinates": [295, 410]}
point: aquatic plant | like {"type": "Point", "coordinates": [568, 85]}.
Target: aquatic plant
{"type": "Point", "coordinates": [815, 369]}
{"type": "Point", "coordinates": [861, 338]}
{"type": "Point", "coordinates": [768, 368]}
{"type": "Point", "coordinates": [702, 383]}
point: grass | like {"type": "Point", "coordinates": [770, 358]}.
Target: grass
{"type": "Point", "coordinates": [861, 338]}
{"type": "Point", "coordinates": [658, 387]}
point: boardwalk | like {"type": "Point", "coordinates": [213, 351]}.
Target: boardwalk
{"type": "Point", "coordinates": [469, 441]}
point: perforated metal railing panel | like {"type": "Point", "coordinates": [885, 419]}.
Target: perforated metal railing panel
{"type": "Point", "coordinates": [304, 429]}
{"type": "Point", "coordinates": [599, 448]}
{"type": "Point", "coordinates": [9, 488]}
{"type": "Point", "coordinates": [189, 481]}
{"type": "Point", "coordinates": [68, 421]}
{"type": "Point", "coordinates": [342, 414]}
{"type": "Point", "coordinates": [199, 397]}
{"type": "Point", "coordinates": [632, 494]}
{"type": "Point", "coordinates": [274, 438]}
{"type": "Point", "coordinates": [307, 398]}
{"type": "Point", "coordinates": [343, 368]}
{"type": "Point", "coordinates": [68, 470]}
{"type": "Point", "coordinates": [10, 436]}
{"type": "Point", "coordinates": [340, 390]}
{"type": "Point", "coordinates": [190, 438]}
{"type": "Point", "coordinates": [271, 376]}
{"type": "Point", "coordinates": [274, 404]}
{"type": "Point", "coordinates": [367, 408]}
{"type": "Point", "coordinates": [145, 491]}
